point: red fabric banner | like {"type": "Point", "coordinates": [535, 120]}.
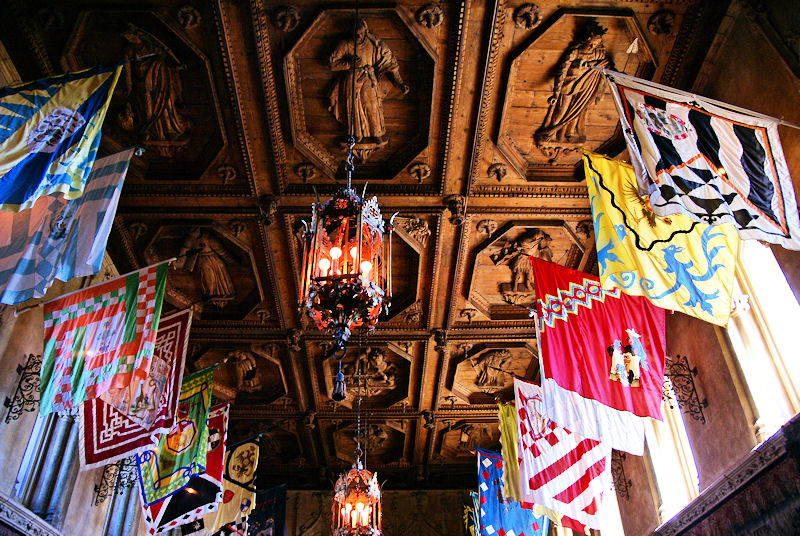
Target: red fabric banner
{"type": "Point", "coordinates": [602, 355]}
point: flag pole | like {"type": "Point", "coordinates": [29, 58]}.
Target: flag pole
{"type": "Point", "coordinates": [715, 102]}
{"type": "Point", "coordinates": [18, 312]}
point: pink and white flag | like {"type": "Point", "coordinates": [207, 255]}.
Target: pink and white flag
{"type": "Point", "coordinates": [559, 469]}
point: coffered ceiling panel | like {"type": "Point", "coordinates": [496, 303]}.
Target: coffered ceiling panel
{"type": "Point", "coordinates": [471, 115]}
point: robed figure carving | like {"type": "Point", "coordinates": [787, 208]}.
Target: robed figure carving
{"type": "Point", "coordinates": [576, 84]}
{"type": "Point", "coordinates": [152, 88]}
{"type": "Point", "coordinates": [360, 87]}
{"type": "Point", "coordinates": [203, 253]}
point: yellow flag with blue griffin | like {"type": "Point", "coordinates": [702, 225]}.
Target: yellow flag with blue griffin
{"type": "Point", "coordinates": [49, 134]}
{"type": "Point", "coordinates": [677, 263]}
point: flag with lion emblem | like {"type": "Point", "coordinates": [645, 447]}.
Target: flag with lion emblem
{"type": "Point", "coordinates": [677, 263]}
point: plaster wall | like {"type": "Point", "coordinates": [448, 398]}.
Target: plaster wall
{"type": "Point", "coordinates": [20, 336]}
{"type": "Point", "coordinates": [727, 434]}
{"type": "Point", "coordinates": [747, 71]}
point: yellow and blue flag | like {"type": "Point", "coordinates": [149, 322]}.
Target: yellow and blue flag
{"type": "Point", "coordinates": [677, 263]}
{"type": "Point", "coordinates": [49, 134]}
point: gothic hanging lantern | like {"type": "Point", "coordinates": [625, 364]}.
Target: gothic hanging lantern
{"type": "Point", "coordinates": [346, 264]}
{"type": "Point", "coordinates": [357, 494]}
{"type": "Point", "coordinates": [347, 274]}
{"type": "Point", "coordinates": [357, 503]}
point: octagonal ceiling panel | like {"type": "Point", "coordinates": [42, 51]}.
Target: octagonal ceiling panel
{"type": "Point", "coordinates": [215, 272]}
{"type": "Point", "coordinates": [165, 102]}
{"type": "Point", "coordinates": [247, 374]}
{"type": "Point", "coordinates": [482, 373]}
{"type": "Point", "coordinates": [383, 442]}
{"type": "Point", "coordinates": [392, 127]}
{"type": "Point", "coordinates": [501, 284]}
{"type": "Point", "coordinates": [555, 102]}
{"type": "Point", "coordinates": [387, 369]}
{"type": "Point", "coordinates": [457, 441]}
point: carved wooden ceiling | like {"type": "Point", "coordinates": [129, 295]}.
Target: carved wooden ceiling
{"type": "Point", "coordinates": [462, 131]}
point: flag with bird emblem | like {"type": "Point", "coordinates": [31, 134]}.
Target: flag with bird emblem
{"type": "Point", "coordinates": [677, 263]}
{"type": "Point", "coordinates": [602, 356]}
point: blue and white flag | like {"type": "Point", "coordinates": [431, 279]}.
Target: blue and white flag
{"type": "Point", "coordinates": [499, 515]}
{"type": "Point", "coordinates": [59, 238]}
{"type": "Point", "coordinates": [49, 133]}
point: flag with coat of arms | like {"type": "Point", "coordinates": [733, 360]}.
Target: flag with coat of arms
{"type": "Point", "coordinates": [60, 238]}
{"type": "Point", "coordinates": [99, 341]}
{"type": "Point", "coordinates": [602, 356]}
{"type": "Point", "coordinates": [708, 160]}
{"type": "Point", "coordinates": [49, 134]}
{"type": "Point", "coordinates": [498, 515]}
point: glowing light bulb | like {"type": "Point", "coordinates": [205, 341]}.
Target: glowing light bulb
{"type": "Point", "coordinates": [335, 252]}
{"type": "Point", "coordinates": [348, 507]}
{"type": "Point", "coordinates": [366, 266]}
{"type": "Point", "coordinates": [324, 264]}
{"type": "Point", "coordinates": [359, 506]}
{"type": "Point", "coordinates": [353, 253]}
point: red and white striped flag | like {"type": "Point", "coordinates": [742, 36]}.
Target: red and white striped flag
{"type": "Point", "coordinates": [559, 469]}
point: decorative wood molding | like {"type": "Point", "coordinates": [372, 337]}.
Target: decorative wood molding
{"type": "Point", "coordinates": [23, 520]}
{"type": "Point", "coordinates": [754, 464]}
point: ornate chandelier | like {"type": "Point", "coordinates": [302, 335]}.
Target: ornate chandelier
{"type": "Point", "coordinates": [347, 272]}
{"type": "Point", "coordinates": [357, 494]}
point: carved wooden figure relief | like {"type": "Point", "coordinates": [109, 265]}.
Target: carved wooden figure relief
{"type": "Point", "coordinates": [153, 92]}
{"type": "Point", "coordinates": [205, 255]}
{"type": "Point", "coordinates": [575, 86]}
{"type": "Point", "coordinates": [355, 98]}
{"type": "Point", "coordinates": [417, 228]}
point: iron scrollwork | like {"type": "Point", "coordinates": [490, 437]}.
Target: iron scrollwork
{"type": "Point", "coordinates": [680, 376]}
{"type": "Point", "coordinates": [622, 485]}
{"type": "Point", "coordinates": [26, 396]}
{"type": "Point", "coordinates": [116, 477]}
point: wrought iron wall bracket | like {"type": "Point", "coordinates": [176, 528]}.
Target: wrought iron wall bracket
{"type": "Point", "coordinates": [26, 396]}
{"type": "Point", "coordinates": [680, 375]}
{"type": "Point", "coordinates": [116, 477]}
{"type": "Point", "coordinates": [621, 484]}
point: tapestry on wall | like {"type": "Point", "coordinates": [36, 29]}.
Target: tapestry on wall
{"type": "Point", "coordinates": [269, 513]}
{"type": "Point", "coordinates": [602, 356]}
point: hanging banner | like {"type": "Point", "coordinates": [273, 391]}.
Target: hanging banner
{"type": "Point", "coordinates": [107, 435]}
